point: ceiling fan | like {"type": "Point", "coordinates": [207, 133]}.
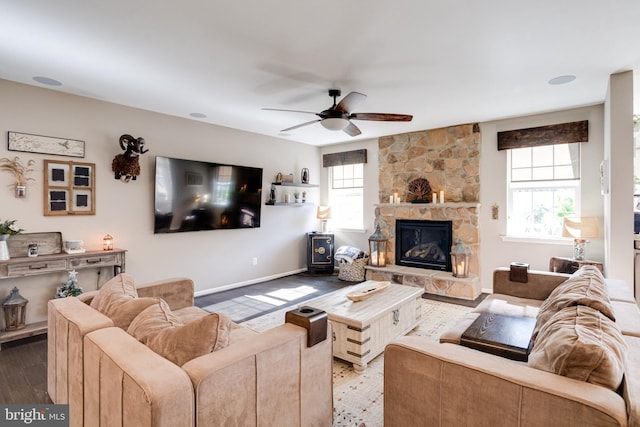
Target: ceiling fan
{"type": "Point", "coordinates": [339, 116]}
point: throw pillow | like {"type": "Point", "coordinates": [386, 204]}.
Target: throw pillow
{"type": "Point", "coordinates": [160, 330]}
{"type": "Point", "coordinates": [580, 342]}
{"type": "Point", "coordinates": [118, 300]}
{"type": "Point", "coordinates": [584, 287]}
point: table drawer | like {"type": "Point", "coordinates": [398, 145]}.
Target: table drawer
{"type": "Point", "coordinates": [95, 261]}
{"type": "Point", "coordinates": [36, 267]}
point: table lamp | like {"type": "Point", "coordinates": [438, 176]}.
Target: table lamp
{"type": "Point", "coordinates": [324, 214]}
{"type": "Point", "coordinates": [581, 229]}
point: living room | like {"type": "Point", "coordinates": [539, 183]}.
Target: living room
{"type": "Point", "coordinates": [226, 259]}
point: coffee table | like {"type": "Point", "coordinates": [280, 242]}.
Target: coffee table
{"type": "Point", "coordinates": [362, 329]}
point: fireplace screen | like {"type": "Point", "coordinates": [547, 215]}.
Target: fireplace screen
{"type": "Point", "coordinates": [424, 244]}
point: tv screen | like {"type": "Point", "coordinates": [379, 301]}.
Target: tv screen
{"type": "Point", "coordinates": [193, 195]}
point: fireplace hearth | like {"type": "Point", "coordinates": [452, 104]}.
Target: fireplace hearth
{"type": "Point", "coordinates": [424, 244]}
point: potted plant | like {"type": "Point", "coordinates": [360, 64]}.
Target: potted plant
{"type": "Point", "coordinates": [296, 196]}
{"type": "Point", "coordinates": [7, 229]}
{"type": "Point", "coordinates": [20, 172]}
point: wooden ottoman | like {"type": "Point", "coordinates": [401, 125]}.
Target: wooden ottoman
{"type": "Point", "coordinates": [362, 329]}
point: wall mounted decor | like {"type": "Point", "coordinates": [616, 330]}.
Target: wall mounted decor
{"type": "Point", "coordinates": [69, 188]}
{"type": "Point", "coordinates": [125, 165]}
{"type": "Point", "coordinates": [19, 172]}
{"type": "Point", "coordinates": [45, 145]}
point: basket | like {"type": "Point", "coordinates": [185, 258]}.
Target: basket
{"type": "Point", "coordinates": [353, 272]}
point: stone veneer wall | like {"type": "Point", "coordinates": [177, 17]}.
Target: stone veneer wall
{"type": "Point", "coordinates": [449, 158]}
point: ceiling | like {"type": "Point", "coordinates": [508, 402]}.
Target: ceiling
{"type": "Point", "coordinates": [446, 63]}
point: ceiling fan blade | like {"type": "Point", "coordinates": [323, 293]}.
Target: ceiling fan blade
{"type": "Point", "coordinates": [352, 130]}
{"type": "Point", "coordinates": [381, 117]}
{"type": "Point", "coordinates": [350, 101]}
{"type": "Point", "coordinates": [300, 125]}
{"type": "Point", "coordinates": [288, 111]}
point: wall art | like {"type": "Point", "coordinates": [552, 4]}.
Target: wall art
{"type": "Point", "coordinates": [45, 145]}
{"type": "Point", "coordinates": [69, 188]}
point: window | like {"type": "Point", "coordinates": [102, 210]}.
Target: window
{"type": "Point", "coordinates": [346, 195]}
{"type": "Point", "coordinates": [543, 187]}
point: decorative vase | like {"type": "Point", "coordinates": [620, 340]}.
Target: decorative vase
{"type": "Point", "coordinates": [21, 191]}
{"type": "Point", "coordinates": [304, 176]}
{"type": "Point", "coordinates": [4, 249]}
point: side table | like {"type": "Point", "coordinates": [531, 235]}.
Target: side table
{"type": "Point", "coordinates": [570, 265]}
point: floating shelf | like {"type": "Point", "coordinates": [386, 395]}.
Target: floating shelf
{"type": "Point", "coordinates": [294, 184]}
{"type": "Point", "coordinates": [288, 204]}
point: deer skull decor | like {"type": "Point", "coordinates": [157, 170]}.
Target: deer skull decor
{"type": "Point", "coordinates": [125, 165]}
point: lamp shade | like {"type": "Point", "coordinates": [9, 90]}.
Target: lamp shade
{"type": "Point", "coordinates": [580, 227]}
{"type": "Point", "coordinates": [323, 213]}
{"type": "Point", "coordinates": [334, 123]}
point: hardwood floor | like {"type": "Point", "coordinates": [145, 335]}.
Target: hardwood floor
{"type": "Point", "coordinates": [23, 363]}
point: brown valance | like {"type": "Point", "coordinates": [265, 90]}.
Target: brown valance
{"type": "Point", "coordinates": [344, 158]}
{"type": "Point", "coordinates": [562, 133]}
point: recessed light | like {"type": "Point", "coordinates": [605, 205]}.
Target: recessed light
{"type": "Point", "coordinates": [198, 115]}
{"type": "Point", "coordinates": [47, 81]}
{"type": "Point", "coordinates": [561, 80]}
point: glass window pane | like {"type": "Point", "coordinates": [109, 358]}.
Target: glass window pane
{"type": "Point", "coordinates": [563, 172]}
{"type": "Point", "coordinates": [358, 170]}
{"type": "Point", "coordinates": [521, 157]}
{"type": "Point", "coordinates": [542, 156]}
{"type": "Point", "coordinates": [561, 154]}
{"type": "Point", "coordinates": [337, 172]}
{"type": "Point", "coordinates": [521, 174]}
{"type": "Point", "coordinates": [540, 174]}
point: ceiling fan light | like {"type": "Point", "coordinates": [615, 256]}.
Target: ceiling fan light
{"type": "Point", "coordinates": [335, 123]}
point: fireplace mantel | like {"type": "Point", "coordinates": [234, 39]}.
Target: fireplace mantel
{"type": "Point", "coordinates": [429, 205]}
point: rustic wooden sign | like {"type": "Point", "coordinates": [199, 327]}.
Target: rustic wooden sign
{"type": "Point", "coordinates": [48, 243]}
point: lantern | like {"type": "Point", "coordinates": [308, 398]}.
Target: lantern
{"type": "Point", "coordinates": [15, 311]}
{"type": "Point", "coordinates": [107, 243]}
{"type": "Point", "coordinates": [460, 260]}
{"type": "Point", "coordinates": [377, 248]}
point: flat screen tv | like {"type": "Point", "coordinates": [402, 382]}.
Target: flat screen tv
{"type": "Point", "coordinates": [193, 195]}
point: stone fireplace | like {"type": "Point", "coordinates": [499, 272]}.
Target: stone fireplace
{"type": "Point", "coordinates": [449, 158]}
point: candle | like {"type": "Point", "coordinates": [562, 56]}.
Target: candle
{"type": "Point", "coordinates": [435, 198]}
{"type": "Point", "coordinates": [441, 196]}
{"type": "Point", "coordinates": [391, 199]}
{"type": "Point", "coordinates": [396, 199]}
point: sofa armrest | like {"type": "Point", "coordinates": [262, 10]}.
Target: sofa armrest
{"type": "Point", "coordinates": [129, 384]}
{"type": "Point", "coordinates": [177, 292]}
{"type": "Point", "coordinates": [451, 385]}
{"type": "Point", "coordinates": [274, 378]}
{"type": "Point", "coordinates": [87, 297]}
{"type": "Point", "coordinates": [69, 320]}
{"type": "Point", "coordinates": [539, 284]}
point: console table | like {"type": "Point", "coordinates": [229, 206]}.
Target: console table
{"type": "Point", "coordinates": [46, 264]}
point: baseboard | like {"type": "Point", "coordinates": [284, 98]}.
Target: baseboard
{"type": "Point", "coordinates": [246, 283]}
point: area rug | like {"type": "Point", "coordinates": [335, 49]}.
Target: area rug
{"type": "Point", "coordinates": [358, 398]}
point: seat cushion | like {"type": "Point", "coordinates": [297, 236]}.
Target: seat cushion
{"type": "Point", "coordinates": [580, 342]}
{"type": "Point", "coordinates": [118, 300]}
{"type": "Point", "coordinates": [163, 332]}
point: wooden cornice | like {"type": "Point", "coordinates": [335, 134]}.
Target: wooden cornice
{"type": "Point", "coordinates": [562, 133]}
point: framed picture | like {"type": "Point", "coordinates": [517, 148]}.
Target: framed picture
{"type": "Point", "coordinates": [69, 188]}
{"type": "Point", "coordinates": [45, 144]}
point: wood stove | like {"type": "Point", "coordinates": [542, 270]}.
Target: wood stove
{"type": "Point", "coordinates": [424, 244]}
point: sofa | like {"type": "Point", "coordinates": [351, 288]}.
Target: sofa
{"type": "Point", "coordinates": [448, 384]}
{"type": "Point", "coordinates": [110, 374]}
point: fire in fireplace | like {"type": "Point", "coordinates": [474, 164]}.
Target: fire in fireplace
{"type": "Point", "coordinates": [424, 243]}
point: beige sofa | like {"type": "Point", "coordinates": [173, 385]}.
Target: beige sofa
{"type": "Point", "coordinates": [109, 378]}
{"type": "Point", "coordinates": [447, 384]}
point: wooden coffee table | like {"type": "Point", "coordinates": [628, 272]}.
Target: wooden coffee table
{"type": "Point", "coordinates": [362, 329]}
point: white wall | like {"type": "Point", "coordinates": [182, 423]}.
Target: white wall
{"type": "Point", "coordinates": [496, 252]}
{"type": "Point", "coordinates": [357, 238]}
{"type": "Point", "coordinates": [213, 259]}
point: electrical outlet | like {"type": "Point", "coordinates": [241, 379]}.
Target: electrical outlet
{"type": "Point", "coordinates": [255, 260]}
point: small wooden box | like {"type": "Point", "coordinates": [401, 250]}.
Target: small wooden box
{"type": "Point", "coordinates": [313, 320]}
